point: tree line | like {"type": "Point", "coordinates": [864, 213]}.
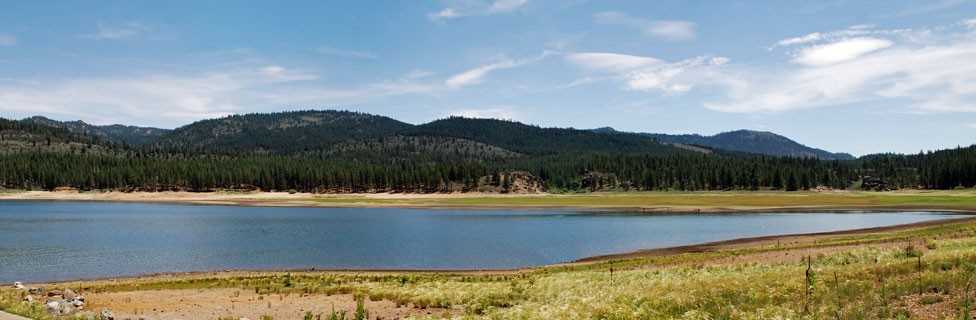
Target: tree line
{"type": "Point", "coordinates": [945, 169]}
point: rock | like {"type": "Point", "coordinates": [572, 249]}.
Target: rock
{"type": "Point", "coordinates": [141, 317]}
{"type": "Point", "coordinates": [78, 304]}
{"type": "Point", "coordinates": [37, 291]}
{"type": "Point", "coordinates": [108, 315]}
{"type": "Point", "coordinates": [54, 293]}
{"type": "Point", "coordinates": [79, 298]}
{"type": "Point", "coordinates": [18, 286]}
{"type": "Point", "coordinates": [29, 298]}
{"type": "Point", "coordinates": [68, 294]}
{"type": "Point", "coordinates": [243, 319]}
{"type": "Point", "coordinates": [54, 307]}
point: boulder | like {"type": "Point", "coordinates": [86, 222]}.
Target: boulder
{"type": "Point", "coordinates": [65, 307]}
{"type": "Point", "coordinates": [18, 286]}
{"type": "Point", "coordinates": [53, 293]}
{"type": "Point", "coordinates": [29, 298]}
{"type": "Point", "coordinates": [37, 291]}
{"type": "Point", "coordinates": [68, 294]}
{"type": "Point", "coordinates": [79, 298]}
{"type": "Point", "coordinates": [78, 304]}
{"type": "Point", "coordinates": [108, 315]}
{"type": "Point", "coordinates": [54, 307]}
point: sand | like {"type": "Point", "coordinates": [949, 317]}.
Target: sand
{"type": "Point", "coordinates": [416, 201]}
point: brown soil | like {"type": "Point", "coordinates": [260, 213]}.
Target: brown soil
{"type": "Point", "coordinates": [235, 303]}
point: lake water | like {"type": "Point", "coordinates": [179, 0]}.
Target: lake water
{"type": "Point", "coordinates": [50, 241]}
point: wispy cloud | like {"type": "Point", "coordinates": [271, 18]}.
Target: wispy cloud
{"type": "Point", "coordinates": [114, 33]}
{"type": "Point", "coordinates": [169, 100]}
{"type": "Point", "coordinates": [496, 112]}
{"type": "Point", "coordinates": [7, 40]}
{"type": "Point", "coordinates": [477, 8]}
{"type": "Point", "coordinates": [610, 62]}
{"type": "Point", "coordinates": [506, 5]}
{"type": "Point", "coordinates": [931, 6]}
{"type": "Point", "coordinates": [914, 71]}
{"type": "Point", "coordinates": [650, 74]}
{"type": "Point", "coordinates": [665, 29]}
{"type": "Point", "coordinates": [446, 13]}
{"type": "Point", "coordinates": [476, 75]}
{"type": "Point", "coordinates": [345, 53]}
{"type": "Point", "coordinates": [840, 51]}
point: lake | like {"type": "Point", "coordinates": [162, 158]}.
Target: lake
{"type": "Point", "coordinates": [51, 241]}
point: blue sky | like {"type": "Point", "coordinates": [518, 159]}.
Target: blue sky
{"type": "Point", "coordinates": [847, 76]}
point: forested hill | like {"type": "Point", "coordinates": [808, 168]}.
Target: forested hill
{"type": "Point", "coordinates": [758, 142]}
{"type": "Point", "coordinates": [342, 151]}
{"type": "Point", "coordinates": [281, 133]}
{"type": "Point", "coordinates": [336, 132]}
{"type": "Point", "coordinates": [534, 140]}
{"type": "Point", "coordinates": [28, 136]}
{"type": "Point", "coordinates": [116, 132]}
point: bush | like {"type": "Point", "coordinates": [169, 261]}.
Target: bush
{"type": "Point", "coordinates": [292, 191]}
{"type": "Point", "coordinates": [910, 252]}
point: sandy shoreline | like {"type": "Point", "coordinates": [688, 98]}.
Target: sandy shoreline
{"type": "Point", "coordinates": [426, 201]}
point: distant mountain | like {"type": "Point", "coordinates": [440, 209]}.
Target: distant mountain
{"type": "Point", "coordinates": [29, 136]}
{"type": "Point", "coordinates": [282, 132]}
{"type": "Point", "coordinates": [116, 132]}
{"type": "Point", "coordinates": [760, 142]}
{"type": "Point", "coordinates": [534, 140]}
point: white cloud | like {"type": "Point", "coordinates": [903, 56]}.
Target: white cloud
{"type": "Point", "coordinates": [476, 75]}
{"type": "Point", "coordinates": [418, 73]}
{"type": "Point", "coordinates": [477, 8]}
{"type": "Point", "coordinates": [498, 112]}
{"type": "Point", "coordinates": [673, 78]}
{"type": "Point", "coordinates": [7, 40]}
{"type": "Point", "coordinates": [971, 125]}
{"type": "Point", "coordinates": [111, 33]}
{"type": "Point", "coordinates": [666, 29]}
{"type": "Point", "coordinates": [804, 39]}
{"type": "Point", "coordinates": [506, 5]}
{"type": "Point", "coordinates": [650, 74]}
{"type": "Point", "coordinates": [447, 13]}
{"type": "Point", "coordinates": [840, 51]}
{"type": "Point", "coordinates": [930, 6]}
{"type": "Point", "coordinates": [345, 53]}
{"type": "Point", "coordinates": [920, 71]}
{"type": "Point", "coordinates": [170, 100]}
{"type": "Point", "coordinates": [970, 23]}
{"type": "Point", "coordinates": [610, 62]}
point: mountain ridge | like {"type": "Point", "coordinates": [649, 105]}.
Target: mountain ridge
{"type": "Point", "coordinates": [321, 131]}
{"type": "Point", "coordinates": [117, 132]}
{"type": "Point", "coordinates": [750, 141]}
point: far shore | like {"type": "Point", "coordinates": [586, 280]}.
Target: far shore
{"type": "Point", "coordinates": [687, 202]}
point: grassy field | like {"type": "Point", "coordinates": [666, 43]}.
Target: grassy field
{"type": "Point", "coordinates": [918, 274]}
{"type": "Point", "coordinates": [693, 199]}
